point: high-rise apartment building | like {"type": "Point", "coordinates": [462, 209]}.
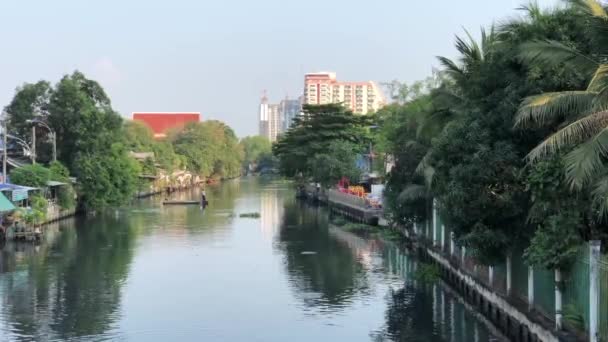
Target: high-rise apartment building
{"type": "Point", "coordinates": [270, 123]}
{"type": "Point", "coordinates": [360, 97]}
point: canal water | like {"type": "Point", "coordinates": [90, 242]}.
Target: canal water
{"type": "Point", "coordinates": [153, 273]}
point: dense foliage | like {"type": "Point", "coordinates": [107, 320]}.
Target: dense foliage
{"type": "Point", "coordinates": [339, 160]}
{"type": "Point", "coordinates": [455, 140]}
{"type": "Point", "coordinates": [313, 132]}
{"type": "Point", "coordinates": [210, 148]}
{"type": "Point", "coordinates": [94, 142]}
{"type": "Point", "coordinates": [256, 149]}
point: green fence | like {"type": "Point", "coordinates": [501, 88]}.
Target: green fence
{"type": "Point", "coordinates": [604, 298]}
{"type": "Point", "coordinates": [544, 292]}
{"type": "Point", "coordinates": [576, 291]}
{"type": "Point", "coordinates": [576, 287]}
{"type": "Point", "coordinates": [519, 274]}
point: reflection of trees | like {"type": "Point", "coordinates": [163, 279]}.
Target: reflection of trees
{"type": "Point", "coordinates": [74, 289]}
{"type": "Point", "coordinates": [327, 279]}
{"type": "Point", "coordinates": [409, 316]}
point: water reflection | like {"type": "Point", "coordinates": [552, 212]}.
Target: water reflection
{"type": "Point", "coordinates": [323, 271]}
{"type": "Point", "coordinates": [151, 273]}
{"type": "Point", "coordinates": [69, 285]}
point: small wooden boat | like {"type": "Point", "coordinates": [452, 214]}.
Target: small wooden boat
{"type": "Point", "coordinates": [177, 202]}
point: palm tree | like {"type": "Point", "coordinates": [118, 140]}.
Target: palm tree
{"type": "Point", "coordinates": [582, 115]}
{"type": "Point", "coordinates": [450, 97]}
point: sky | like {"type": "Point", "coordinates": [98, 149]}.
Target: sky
{"type": "Point", "coordinates": [217, 57]}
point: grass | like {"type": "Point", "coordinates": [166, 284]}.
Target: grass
{"type": "Point", "coordinates": [250, 215]}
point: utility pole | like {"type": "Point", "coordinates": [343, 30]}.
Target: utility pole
{"type": "Point", "coordinates": [33, 144]}
{"type": "Point", "coordinates": [4, 153]}
{"type": "Point", "coordinates": [54, 145]}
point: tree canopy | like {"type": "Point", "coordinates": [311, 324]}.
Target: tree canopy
{"type": "Point", "coordinates": [313, 132]}
{"type": "Point", "coordinates": [93, 141]}
{"type": "Point", "coordinates": [454, 139]}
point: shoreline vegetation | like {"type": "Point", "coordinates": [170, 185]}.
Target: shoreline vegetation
{"type": "Point", "coordinates": [105, 160]}
{"type": "Point", "coordinates": [503, 145]}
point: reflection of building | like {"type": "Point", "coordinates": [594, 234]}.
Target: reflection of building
{"type": "Point", "coordinates": [160, 123]}
{"type": "Point", "coordinates": [270, 212]}
{"type": "Point", "coordinates": [359, 97]}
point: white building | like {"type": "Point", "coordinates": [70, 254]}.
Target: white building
{"type": "Point", "coordinates": [359, 97]}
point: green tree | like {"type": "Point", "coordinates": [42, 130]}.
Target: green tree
{"type": "Point", "coordinates": [138, 136]}
{"type": "Point", "coordinates": [107, 179]}
{"type": "Point", "coordinates": [580, 114]}
{"type": "Point", "coordinates": [253, 148]}
{"type": "Point", "coordinates": [31, 175]}
{"type": "Point", "coordinates": [210, 148]}
{"type": "Point", "coordinates": [313, 132]}
{"type": "Point", "coordinates": [31, 101]}
{"type": "Point", "coordinates": [81, 114]}
{"type": "Point", "coordinates": [59, 172]}
{"type": "Point", "coordinates": [339, 160]}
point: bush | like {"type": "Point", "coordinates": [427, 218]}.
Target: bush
{"type": "Point", "coordinates": [59, 172]}
{"type": "Point", "coordinates": [66, 197]}
{"type": "Point", "coordinates": [37, 213]}
{"type": "Point", "coordinates": [31, 175]}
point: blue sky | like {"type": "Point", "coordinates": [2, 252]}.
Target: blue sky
{"type": "Point", "coordinates": [217, 57]}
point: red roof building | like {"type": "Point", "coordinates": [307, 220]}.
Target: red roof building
{"type": "Point", "coordinates": [161, 122]}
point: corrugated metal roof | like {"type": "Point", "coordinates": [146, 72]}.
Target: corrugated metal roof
{"type": "Point", "coordinates": [5, 204]}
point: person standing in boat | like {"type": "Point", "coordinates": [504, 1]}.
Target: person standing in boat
{"type": "Point", "coordinates": [203, 198]}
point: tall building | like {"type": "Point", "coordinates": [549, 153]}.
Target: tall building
{"type": "Point", "coordinates": [289, 108]}
{"type": "Point", "coordinates": [275, 124]}
{"type": "Point", "coordinates": [359, 97]}
{"type": "Point", "coordinates": [263, 118]}
{"type": "Point", "coordinates": [161, 122]}
{"type": "Point", "coordinates": [274, 119]}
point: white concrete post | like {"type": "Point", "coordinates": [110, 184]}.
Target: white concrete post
{"type": "Point", "coordinates": [415, 228]}
{"type": "Point", "coordinates": [509, 274]}
{"type": "Point", "coordinates": [530, 287]}
{"type": "Point", "coordinates": [435, 304]}
{"type": "Point", "coordinates": [443, 322]}
{"type": "Point", "coordinates": [491, 276]}
{"type": "Point", "coordinates": [475, 332]}
{"type": "Point", "coordinates": [453, 321]}
{"type": "Point", "coordinates": [463, 254]}
{"type": "Point", "coordinates": [594, 290]}
{"type": "Point", "coordinates": [434, 222]}
{"type": "Point", "coordinates": [558, 300]}
{"type": "Point", "coordinates": [442, 237]}
{"type": "Point", "coordinates": [452, 244]}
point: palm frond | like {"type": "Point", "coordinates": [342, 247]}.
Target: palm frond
{"type": "Point", "coordinates": [553, 53]}
{"type": "Point", "coordinates": [591, 7]}
{"type": "Point", "coordinates": [425, 169]}
{"type": "Point", "coordinates": [533, 10]}
{"type": "Point", "coordinates": [585, 162]}
{"type": "Point", "coordinates": [469, 50]}
{"type": "Point", "coordinates": [539, 109]}
{"type": "Point", "coordinates": [451, 68]}
{"type": "Point", "coordinates": [413, 192]}
{"type": "Point", "coordinates": [599, 192]}
{"type": "Point", "coordinates": [600, 79]}
{"type": "Point", "coordinates": [575, 133]}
